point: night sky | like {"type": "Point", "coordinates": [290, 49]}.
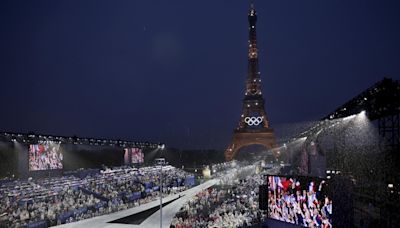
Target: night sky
{"type": "Point", "coordinates": [174, 71]}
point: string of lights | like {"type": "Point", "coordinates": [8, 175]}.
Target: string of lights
{"type": "Point", "coordinates": [31, 138]}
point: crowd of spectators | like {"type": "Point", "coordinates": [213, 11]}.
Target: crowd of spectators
{"type": "Point", "coordinates": [234, 203]}
{"type": "Point", "coordinates": [54, 201]}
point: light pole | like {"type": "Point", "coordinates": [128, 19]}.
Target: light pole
{"type": "Point", "coordinates": [161, 191]}
{"type": "Point", "coordinates": [161, 162]}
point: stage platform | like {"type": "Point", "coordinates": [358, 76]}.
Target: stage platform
{"type": "Point", "coordinates": [172, 205]}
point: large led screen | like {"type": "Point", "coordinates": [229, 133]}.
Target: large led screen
{"type": "Point", "coordinates": [137, 155]}
{"type": "Point", "coordinates": [303, 201]}
{"type": "Point", "coordinates": [133, 156]}
{"type": "Point", "coordinates": [45, 156]}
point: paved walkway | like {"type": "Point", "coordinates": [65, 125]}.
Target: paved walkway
{"type": "Point", "coordinates": [153, 220]}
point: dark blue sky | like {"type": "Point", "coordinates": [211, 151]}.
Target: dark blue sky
{"type": "Point", "coordinates": [174, 71]}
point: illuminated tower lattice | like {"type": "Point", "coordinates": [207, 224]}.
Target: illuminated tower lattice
{"type": "Point", "coordinates": [253, 125]}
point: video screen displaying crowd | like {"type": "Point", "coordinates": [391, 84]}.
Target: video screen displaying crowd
{"type": "Point", "coordinates": [133, 156]}
{"type": "Point", "coordinates": [53, 201]}
{"type": "Point", "coordinates": [301, 201]}
{"type": "Point", "coordinates": [45, 156]}
{"type": "Point", "coordinates": [233, 203]}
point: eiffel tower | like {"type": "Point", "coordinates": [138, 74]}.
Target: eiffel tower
{"type": "Point", "coordinates": [253, 125]}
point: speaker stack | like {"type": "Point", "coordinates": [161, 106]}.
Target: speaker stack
{"type": "Point", "coordinates": [263, 197]}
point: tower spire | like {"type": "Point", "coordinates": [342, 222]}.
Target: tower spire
{"type": "Point", "coordinates": [251, 4]}
{"type": "Point", "coordinates": [253, 103]}
{"type": "Point", "coordinates": [253, 74]}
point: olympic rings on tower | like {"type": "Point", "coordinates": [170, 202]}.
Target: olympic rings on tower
{"type": "Point", "coordinates": [253, 121]}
